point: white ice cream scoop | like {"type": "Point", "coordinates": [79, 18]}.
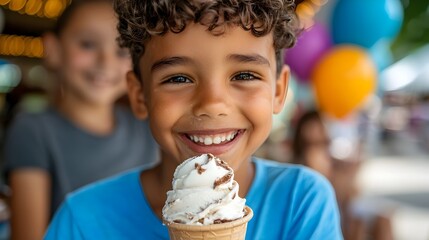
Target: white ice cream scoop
{"type": "Point", "coordinates": [204, 192]}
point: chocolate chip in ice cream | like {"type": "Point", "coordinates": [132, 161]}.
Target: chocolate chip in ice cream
{"type": "Point", "coordinates": [226, 178]}
{"type": "Point", "coordinates": [199, 168]}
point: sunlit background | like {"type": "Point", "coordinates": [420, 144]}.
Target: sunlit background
{"type": "Point", "coordinates": [385, 105]}
{"type": "Point", "coordinates": [392, 120]}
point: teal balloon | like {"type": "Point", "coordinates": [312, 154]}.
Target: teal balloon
{"type": "Point", "coordinates": [381, 54]}
{"type": "Point", "coordinates": [304, 95]}
{"type": "Point", "coordinates": [365, 22]}
{"type": "Point", "coordinates": [292, 84]}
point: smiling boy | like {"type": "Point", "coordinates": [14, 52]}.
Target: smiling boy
{"type": "Point", "coordinates": [208, 75]}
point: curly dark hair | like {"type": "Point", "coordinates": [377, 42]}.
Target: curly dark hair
{"type": "Point", "coordinates": [141, 19]}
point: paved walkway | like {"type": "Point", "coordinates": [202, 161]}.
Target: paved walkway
{"type": "Point", "coordinates": [401, 184]}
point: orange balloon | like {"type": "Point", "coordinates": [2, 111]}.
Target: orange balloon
{"type": "Point", "coordinates": [342, 79]}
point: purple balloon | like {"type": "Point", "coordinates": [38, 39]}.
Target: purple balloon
{"type": "Point", "coordinates": [310, 46]}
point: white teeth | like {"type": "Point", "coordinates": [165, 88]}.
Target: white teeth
{"type": "Point", "coordinates": [231, 136]}
{"type": "Point", "coordinates": [213, 139]}
{"type": "Point", "coordinates": [217, 140]}
{"type": "Point", "coordinates": [208, 141]}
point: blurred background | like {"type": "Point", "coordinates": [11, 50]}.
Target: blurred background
{"type": "Point", "coordinates": [24, 82]}
{"type": "Point", "coordinates": [362, 66]}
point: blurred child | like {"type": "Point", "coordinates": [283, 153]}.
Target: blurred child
{"type": "Point", "coordinates": [310, 145]}
{"type": "Point", "coordinates": [315, 146]}
{"type": "Point", "coordinates": [208, 75]}
{"type": "Point", "coordinates": [84, 136]}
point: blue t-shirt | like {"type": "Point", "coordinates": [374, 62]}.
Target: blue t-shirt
{"type": "Point", "coordinates": [289, 202]}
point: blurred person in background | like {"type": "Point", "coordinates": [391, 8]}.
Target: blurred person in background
{"type": "Point", "coordinates": [310, 145]}
{"type": "Point", "coordinates": [84, 136]}
{"type": "Point", "coordinates": [419, 121]}
{"type": "Point", "coordinates": [319, 144]}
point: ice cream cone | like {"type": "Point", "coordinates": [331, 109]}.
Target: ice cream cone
{"type": "Point", "coordinates": [234, 230]}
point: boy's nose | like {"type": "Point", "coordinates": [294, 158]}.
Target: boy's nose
{"type": "Point", "coordinates": [211, 101]}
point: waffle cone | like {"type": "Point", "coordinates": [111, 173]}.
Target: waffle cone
{"type": "Point", "coordinates": [235, 230]}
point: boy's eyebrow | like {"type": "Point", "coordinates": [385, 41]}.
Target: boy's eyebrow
{"type": "Point", "coordinates": [251, 58]}
{"type": "Point", "coordinates": [181, 60]}
{"type": "Point", "coordinates": [170, 61]}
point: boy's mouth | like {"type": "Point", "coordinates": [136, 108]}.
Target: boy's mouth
{"type": "Point", "coordinates": [213, 139]}
{"type": "Point", "coordinates": [215, 142]}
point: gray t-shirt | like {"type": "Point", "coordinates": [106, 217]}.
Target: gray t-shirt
{"type": "Point", "coordinates": [72, 156]}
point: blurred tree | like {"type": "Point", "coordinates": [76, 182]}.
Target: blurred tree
{"type": "Point", "coordinates": [415, 28]}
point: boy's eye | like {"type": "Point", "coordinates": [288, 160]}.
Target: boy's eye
{"type": "Point", "coordinates": [245, 76]}
{"type": "Point", "coordinates": [178, 79]}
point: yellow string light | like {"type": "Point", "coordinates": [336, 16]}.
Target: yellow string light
{"type": "Point", "coordinates": [307, 10]}
{"type": "Point", "coordinates": [4, 2]}
{"type": "Point", "coordinates": [27, 51]}
{"type": "Point", "coordinates": [17, 5]}
{"type": "Point", "coordinates": [21, 46]}
{"type": "Point", "coordinates": [17, 46]}
{"type": "Point", "coordinates": [37, 47]}
{"type": "Point", "coordinates": [33, 6]}
{"type": "Point", "coordinates": [6, 45]}
{"type": "Point", "coordinates": [39, 8]}
{"type": "Point", "coordinates": [53, 8]}
{"type": "Point", "coordinates": [2, 44]}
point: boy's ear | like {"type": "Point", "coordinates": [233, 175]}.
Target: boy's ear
{"type": "Point", "coordinates": [281, 89]}
{"type": "Point", "coordinates": [52, 53]}
{"type": "Point", "coordinates": [136, 96]}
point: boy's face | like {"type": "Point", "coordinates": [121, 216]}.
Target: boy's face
{"type": "Point", "coordinates": [209, 94]}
